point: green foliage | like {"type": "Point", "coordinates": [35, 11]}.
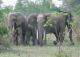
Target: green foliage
{"type": "Point", "coordinates": [72, 5]}
{"type": "Point", "coordinates": [3, 29]}
{"type": "Point", "coordinates": [3, 12]}
{"type": "Point", "coordinates": [51, 19]}
{"type": "Point", "coordinates": [7, 9]}
{"type": "Point", "coordinates": [4, 40]}
{"type": "Point", "coordinates": [76, 27]}
{"type": "Point", "coordinates": [27, 6]}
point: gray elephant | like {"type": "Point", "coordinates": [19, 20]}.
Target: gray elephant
{"type": "Point", "coordinates": [58, 27]}
{"type": "Point", "coordinates": [17, 22]}
{"type": "Point", "coordinates": [32, 25]}
{"type": "Point", "coordinates": [41, 19]}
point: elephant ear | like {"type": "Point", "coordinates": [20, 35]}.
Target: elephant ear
{"type": "Point", "coordinates": [11, 19]}
{"type": "Point", "coordinates": [16, 17]}
{"type": "Point", "coordinates": [21, 18]}
{"type": "Point", "coordinates": [68, 17]}
{"type": "Point", "coordinates": [32, 19]}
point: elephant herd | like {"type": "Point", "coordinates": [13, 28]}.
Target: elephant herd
{"type": "Point", "coordinates": [31, 28]}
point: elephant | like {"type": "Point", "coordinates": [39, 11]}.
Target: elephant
{"type": "Point", "coordinates": [41, 19]}
{"type": "Point", "coordinates": [58, 27]}
{"type": "Point", "coordinates": [32, 25]}
{"type": "Point", "coordinates": [17, 22]}
{"type": "Point", "coordinates": [35, 23]}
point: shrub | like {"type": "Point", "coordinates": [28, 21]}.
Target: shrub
{"type": "Point", "coordinates": [3, 29]}
{"type": "Point", "coordinates": [76, 27]}
{"type": "Point", "coordinates": [4, 40]}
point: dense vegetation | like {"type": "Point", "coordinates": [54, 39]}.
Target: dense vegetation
{"type": "Point", "coordinates": [27, 7]}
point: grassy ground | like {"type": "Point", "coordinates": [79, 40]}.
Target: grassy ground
{"type": "Point", "coordinates": [36, 51]}
{"type": "Point", "coordinates": [45, 51]}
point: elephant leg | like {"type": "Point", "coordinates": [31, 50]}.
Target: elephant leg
{"type": "Point", "coordinates": [45, 40]}
{"type": "Point", "coordinates": [23, 29]}
{"type": "Point", "coordinates": [70, 36]}
{"type": "Point", "coordinates": [16, 37]}
{"type": "Point", "coordinates": [23, 39]}
{"type": "Point", "coordinates": [61, 37]}
{"type": "Point", "coordinates": [34, 39]}
{"type": "Point", "coordinates": [28, 35]}
{"type": "Point", "coordinates": [57, 39]}
{"type": "Point", "coordinates": [56, 32]}
{"type": "Point", "coordinates": [16, 40]}
{"type": "Point", "coordinates": [70, 33]}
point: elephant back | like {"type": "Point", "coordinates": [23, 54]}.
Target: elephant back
{"type": "Point", "coordinates": [54, 18]}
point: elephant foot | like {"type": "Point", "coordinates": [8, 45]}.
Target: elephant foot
{"type": "Point", "coordinates": [27, 44]}
{"type": "Point", "coordinates": [16, 44]}
{"type": "Point", "coordinates": [40, 44]}
{"type": "Point", "coordinates": [72, 43]}
{"type": "Point", "coordinates": [54, 42]}
{"type": "Point", "coordinates": [34, 44]}
{"type": "Point", "coordinates": [23, 43]}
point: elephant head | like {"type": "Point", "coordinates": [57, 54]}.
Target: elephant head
{"type": "Point", "coordinates": [17, 20]}
{"type": "Point", "coordinates": [68, 16]}
{"type": "Point", "coordinates": [41, 19]}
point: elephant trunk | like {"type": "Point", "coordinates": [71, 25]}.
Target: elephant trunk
{"type": "Point", "coordinates": [40, 35]}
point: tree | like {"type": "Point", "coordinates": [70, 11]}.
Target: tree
{"type": "Point", "coordinates": [39, 6]}
{"type": "Point", "coordinates": [3, 29]}
{"type": "Point", "coordinates": [0, 3]}
{"type": "Point", "coordinates": [72, 5]}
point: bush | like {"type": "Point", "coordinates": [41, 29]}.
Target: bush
{"type": "Point", "coordinates": [76, 27]}
{"type": "Point", "coordinates": [3, 29]}
{"type": "Point", "coordinates": [51, 19]}
{"type": "Point", "coordinates": [4, 40]}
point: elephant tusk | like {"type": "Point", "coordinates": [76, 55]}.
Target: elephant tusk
{"type": "Point", "coordinates": [37, 33]}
